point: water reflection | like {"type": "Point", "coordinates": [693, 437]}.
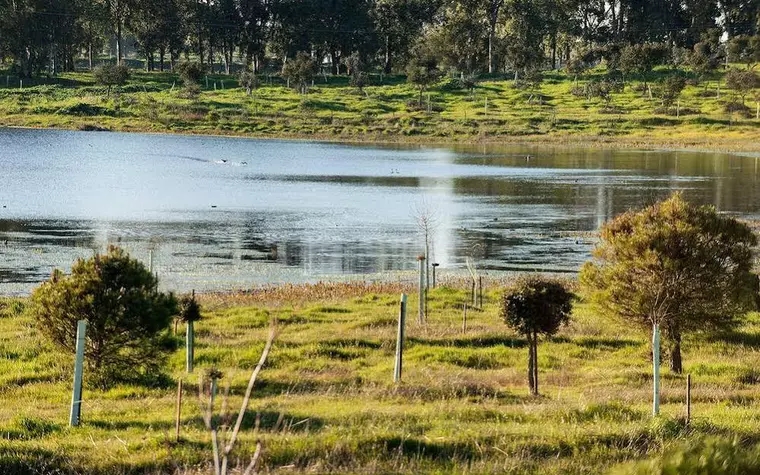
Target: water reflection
{"type": "Point", "coordinates": [298, 211]}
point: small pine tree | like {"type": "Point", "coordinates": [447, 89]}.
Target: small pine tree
{"type": "Point", "coordinates": [683, 267]}
{"type": "Point", "coordinates": [127, 317]}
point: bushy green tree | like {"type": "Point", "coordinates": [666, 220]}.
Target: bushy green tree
{"type": "Point", "coordinates": [357, 70]}
{"type": "Point", "coordinates": [670, 89]}
{"type": "Point", "coordinates": [300, 71]}
{"type": "Point", "coordinates": [706, 55]}
{"type": "Point", "coordinates": [191, 72]}
{"type": "Point", "coordinates": [422, 70]}
{"type": "Point", "coordinates": [248, 80]}
{"type": "Point", "coordinates": [468, 82]}
{"type": "Point", "coordinates": [536, 306]}
{"type": "Point", "coordinates": [580, 63]}
{"type": "Point", "coordinates": [111, 75]}
{"type": "Point", "coordinates": [127, 317]}
{"type": "Point", "coordinates": [683, 267]}
{"type": "Point", "coordinates": [642, 58]}
{"type": "Point", "coordinates": [742, 81]}
{"type": "Point", "coordinates": [744, 49]}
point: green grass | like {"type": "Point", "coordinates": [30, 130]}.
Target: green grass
{"type": "Point", "coordinates": [387, 111]}
{"type": "Point", "coordinates": [463, 406]}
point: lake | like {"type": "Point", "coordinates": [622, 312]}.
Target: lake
{"type": "Point", "coordinates": [222, 213]}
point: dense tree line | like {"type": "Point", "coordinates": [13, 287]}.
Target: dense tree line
{"type": "Point", "coordinates": [470, 36]}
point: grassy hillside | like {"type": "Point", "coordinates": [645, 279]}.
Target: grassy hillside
{"type": "Point", "coordinates": [388, 110]}
{"type": "Point", "coordinates": [327, 402]}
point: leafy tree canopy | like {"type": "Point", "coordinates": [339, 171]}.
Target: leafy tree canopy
{"type": "Point", "coordinates": [684, 267]}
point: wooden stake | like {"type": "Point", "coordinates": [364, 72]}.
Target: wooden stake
{"type": "Point", "coordinates": [480, 291]}
{"type": "Point", "coordinates": [688, 399]}
{"type": "Point", "coordinates": [189, 340]}
{"type": "Point", "coordinates": [656, 370]}
{"type": "Point", "coordinates": [421, 316]}
{"type": "Point", "coordinates": [464, 317]}
{"type": "Point", "coordinates": [472, 293]}
{"type": "Point", "coordinates": [400, 340]}
{"type": "Point", "coordinates": [76, 398]}
{"type": "Point", "coordinates": [179, 410]}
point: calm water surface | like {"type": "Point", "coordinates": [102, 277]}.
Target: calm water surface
{"type": "Point", "coordinates": [224, 213]}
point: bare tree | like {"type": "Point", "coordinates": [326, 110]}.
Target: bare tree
{"type": "Point", "coordinates": [427, 222]}
{"type": "Point", "coordinates": [223, 441]}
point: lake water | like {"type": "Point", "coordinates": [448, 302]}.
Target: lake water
{"type": "Point", "coordinates": [221, 213]}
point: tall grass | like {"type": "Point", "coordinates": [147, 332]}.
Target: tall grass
{"type": "Point", "coordinates": [325, 401]}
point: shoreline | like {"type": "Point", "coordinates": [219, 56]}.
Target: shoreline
{"type": "Point", "coordinates": [744, 148]}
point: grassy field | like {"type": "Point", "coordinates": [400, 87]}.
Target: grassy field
{"type": "Point", "coordinates": [326, 400]}
{"type": "Point", "coordinates": [387, 111]}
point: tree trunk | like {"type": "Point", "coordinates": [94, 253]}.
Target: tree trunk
{"type": "Point", "coordinates": [89, 54]}
{"type": "Point", "coordinates": [161, 54]}
{"type": "Point", "coordinates": [531, 372]}
{"type": "Point", "coordinates": [388, 66]}
{"type": "Point", "coordinates": [119, 52]}
{"type": "Point", "coordinates": [554, 50]}
{"type": "Point", "coordinates": [335, 65]}
{"type": "Point", "coordinates": [676, 365]}
{"type": "Point", "coordinates": [490, 51]}
{"type": "Point", "coordinates": [535, 365]}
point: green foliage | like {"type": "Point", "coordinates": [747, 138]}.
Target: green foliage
{"type": "Point", "coordinates": [468, 82]}
{"type": "Point", "coordinates": [684, 267]}
{"type": "Point", "coordinates": [602, 89]}
{"type": "Point", "coordinates": [670, 89]}
{"type": "Point", "coordinates": [189, 309]}
{"type": "Point", "coordinates": [642, 58]}
{"type": "Point", "coordinates": [248, 80]}
{"type": "Point", "coordinates": [706, 56]}
{"type": "Point", "coordinates": [300, 71]}
{"type": "Point", "coordinates": [110, 75]}
{"type": "Point", "coordinates": [422, 71]}
{"type": "Point", "coordinates": [536, 306]}
{"type": "Point", "coordinates": [126, 316]}
{"type": "Point", "coordinates": [744, 49]}
{"type": "Point", "coordinates": [709, 456]}
{"type": "Point", "coordinates": [357, 70]}
{"type": "Point", "coordinates": [191, 72]}
{"type": "Point", "coordinates": [580, 63]}
{"type": "Point", "coordinates": [742, 81]}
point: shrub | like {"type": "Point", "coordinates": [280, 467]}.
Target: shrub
{"type": "Point", "coordinates": [110, 75]}
{"type": "Point", "coordinates": [189, 309]}
{"type": "Point", "coordinates": [127, 317]}
{"type": "Point", "coordinates": [191, 72]}
{"type": "Point", "coordinates": [422, 71]}
{"type": "Point", "coordinates": [670, 89]}
{"type": "Point", "coordinates": [742, 81]}
{"type": "Point", "coordinates": [536, 306]}
{"type": "Point", "coordinates": [248, 80]}
{"type": "Point", "coordinates": [300, 71]}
